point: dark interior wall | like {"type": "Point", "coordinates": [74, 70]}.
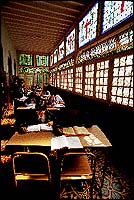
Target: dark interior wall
{"type": "Point", "coordinates": [115, 121]}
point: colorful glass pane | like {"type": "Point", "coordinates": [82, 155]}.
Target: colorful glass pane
{"type": "Point", "coordinates": [89, 79]}
{"type": "Point", "coordinates": [87, 26]}
{"type": "Point", "coordinates": [115, 12]}
{"type": "Point", "coordinates": [122, 87]}
{"type": "Point", "coordinates": [55, 56]}
{"type": "Point", "coordinates": [51, 60]}
{"type": "Point", "coordinates": [70, 79]}
{"type": "Point", "coordinates": [26, 59]}
{"type": "Point", "coordinates": [61, 51]}
{"type": "Point", "coordinates": [70, 42]}
{"type": "Point", "coordinates": [42, 60]}
{"type": "Point", "coordinates": [102, 79]}
{"type": "Point", "coordinates": [58, 79]}
{"type": "Point", "coordinates": [78, 79]}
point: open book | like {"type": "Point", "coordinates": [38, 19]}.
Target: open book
{"type": "Point", "coordinates": [39, 127]}
{"type": "Point", "coordinates": [60, 142]}
{"type": "Point", "coordinates": [75, 131]}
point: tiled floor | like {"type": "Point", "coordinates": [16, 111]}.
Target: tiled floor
{"type": "Point", "coordinates": [118, 184]}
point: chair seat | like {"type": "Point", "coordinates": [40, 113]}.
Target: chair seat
{"type": "Point", "coordinates": [20, 177]}
{"type": "Point", "coordinates": [76, 166]}
{"type": "Point", "coordinates": [70, 177]}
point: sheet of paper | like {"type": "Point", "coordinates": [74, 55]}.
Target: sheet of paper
{"type": "Point", "coordinates": [46, 127]}
{"type": "Point", "coordinates": [74, 142]}
{"type": "Point", "coordinates": [35, 127]}
{"type": "Point", "coordinates": [68, 131]}
{"type": "Point", "coordinates": [58, 142]}
{"type": "Point", "coordinates": [93, 141]}
{"type": "Point", "coordinates": [81, 130]}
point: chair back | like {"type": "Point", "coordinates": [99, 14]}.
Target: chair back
{"type": "Point", "coordinates": [31, 166]}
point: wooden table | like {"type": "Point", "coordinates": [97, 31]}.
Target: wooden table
{"type": "Point", "coordinates": [43, 139]}
{"type": "Point", "coordinates": [38, 140]}
{"type": "Point", "coordinates": [96, 133]}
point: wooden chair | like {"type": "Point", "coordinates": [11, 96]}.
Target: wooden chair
{"type": "Point", "coordinates": [31, 167]}
{"type": "Point", "coordinates": [78, 166]}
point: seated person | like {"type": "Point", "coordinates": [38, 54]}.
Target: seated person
{"type": "Point", "coordinates": [47, 92]}
{"type": "Point", "coordinates": [55, 99]}
{"type": "Point", "coordinates": [44, 93]}
{"type": "Point", "coordinates": [51, 100]}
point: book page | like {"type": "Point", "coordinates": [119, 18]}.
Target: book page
{"type": "Point", "coordinates": [92, 140]}
{"type": "Point", "coordinates": [80, 130]}
{"type": "Point", "coordinates": [68, 131]}
{"type": "Point", "coordinates": [59, 142]}
{"type": "Point", "coordinates": [74, 142]}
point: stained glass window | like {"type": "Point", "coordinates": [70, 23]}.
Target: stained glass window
{"type": "Point", "coordinates": [39, 79]}
{"type": "Point", "coordinates": [87, 26]}
{"type": "Point", "coordinates": [33, 69]}
{"type": "Point", "coordinates": [21, 76]}
{"type": "Point", "coordinates": [46, 77]}
{"type": "Point", "coordinates": [122, 85]}
{"type": "Point", "coordinates": [70, 42]}
{"type": "Point", "coordinates": [78, 79]}
{"type": "Point", "coordinates": [61, 51]}
{"type": "Point", "coordinates": [29, 80]}
{"type": "Point", "coordinates": [58, 79]}
{"type": "Point", "coordinates": [119, 43]}
{"type": "Point", "coordinates": [63, 79]}
{"type": "Point", "coordinates": [26, 59]}
{"type": "Point", "coordinates": [53, 78]}
{"type": "Point", "coordinates": [115, 12]}
{"type": "Point", "coordinates": [42, 60]}
{"type": "Point", "coordinates": [51, 60]}
{"type": "Point", "coordinates": [102, 79]}
{"type": "Point", "coordinates": [89, 79]}
{"type": "Point", "coordinates": [55, 56]}
{"type": "Point", "coordinates": [70, 79]}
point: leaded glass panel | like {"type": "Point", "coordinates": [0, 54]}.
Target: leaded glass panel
{"type": "Point", "coordinates": [89, 79]}
{"type": "Point", "coordinates": [78, 79]}
{"type": "Point", "coordinates": [55, 56]}
{"type": "Point", "coordinates": [58, 79]}
{"type": "Point", "coordinates": [122, 84]}
{"type": "Point", "coordinates": [42, 60]}
{"type": "Point", "coordinates": [102, 79]}
{"type": "Point", "coordinates": [70, 42]}
{"type": "Point", "coordinates": [26, 59]}
{"type": "Point", "coordinates": [70, 79]}
{"type": "Point", "coordinates": [63, 79]}
{"type": "Point", "coordinates": [87, 26]}
{"type": "Point", "coordinates": [115, 12]}
{"type": "Point", "coordinates": [61, 51]}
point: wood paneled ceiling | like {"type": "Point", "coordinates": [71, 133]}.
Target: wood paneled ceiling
{"type": "Point", "coordinates": [39, 26]}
